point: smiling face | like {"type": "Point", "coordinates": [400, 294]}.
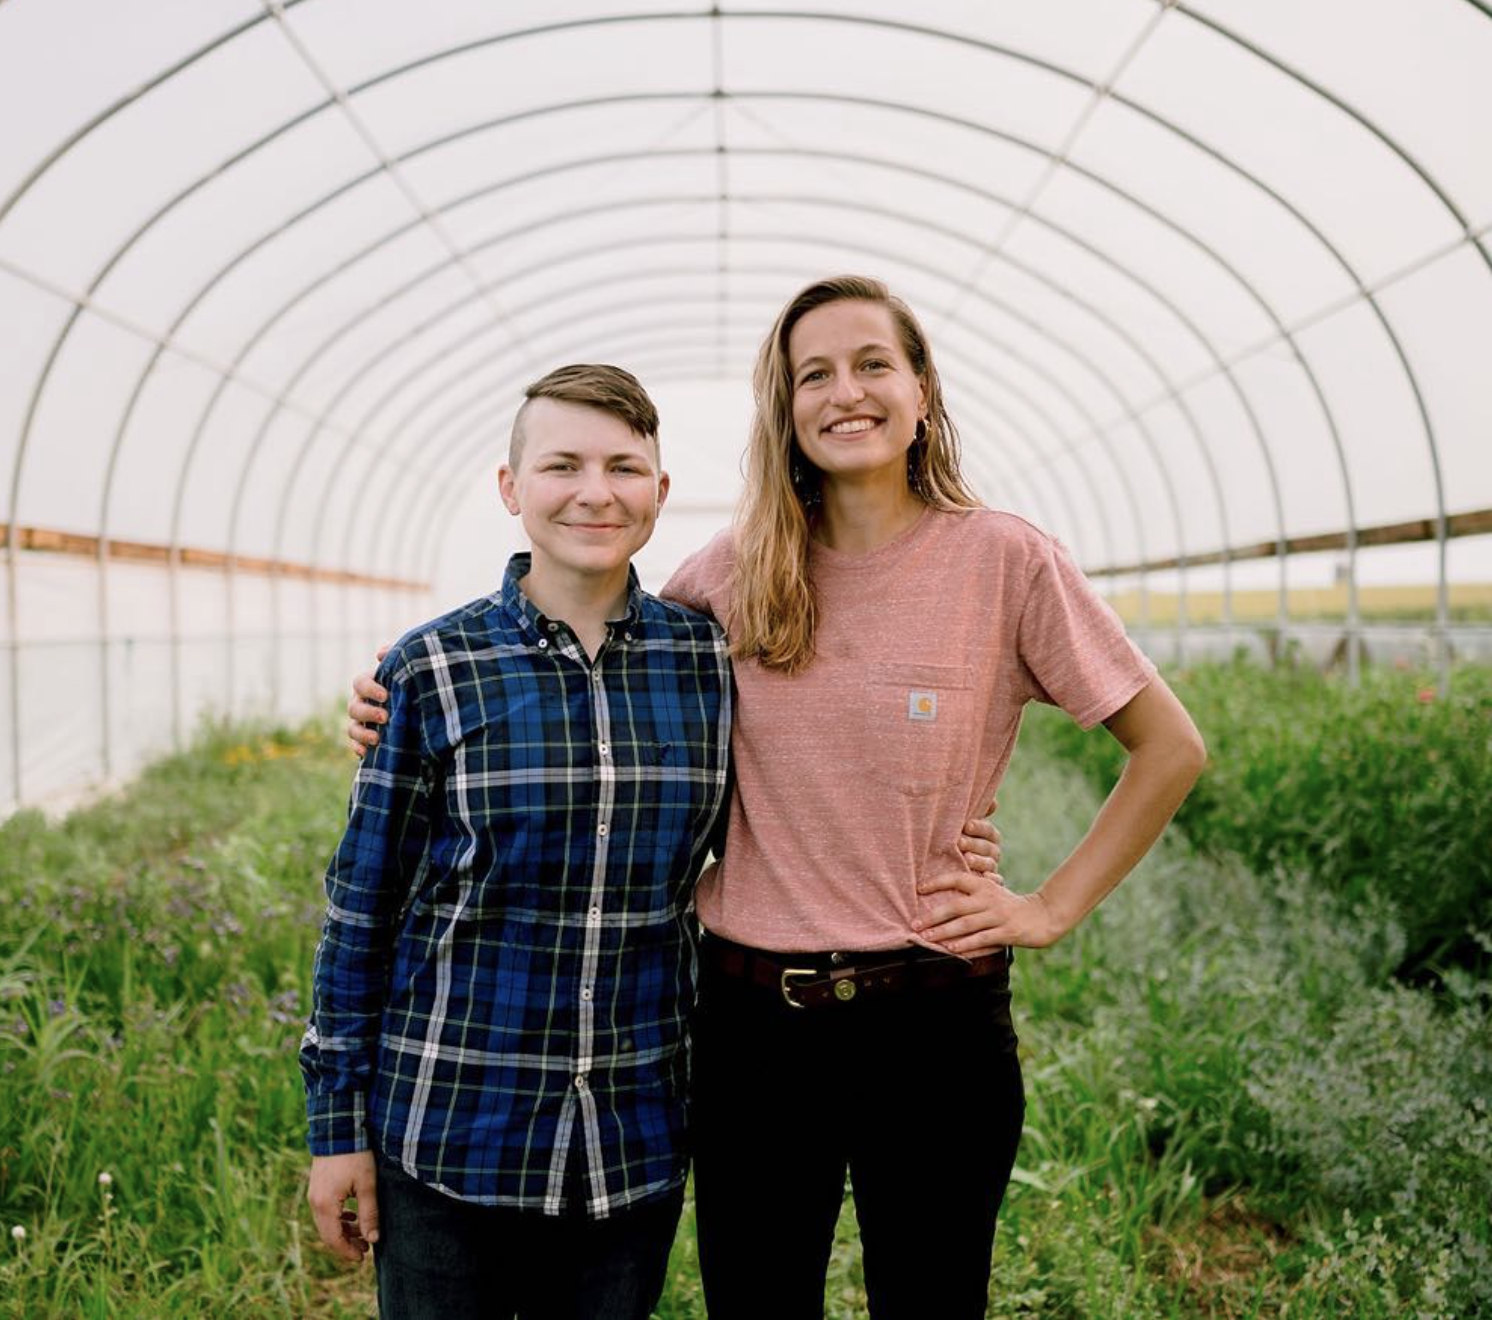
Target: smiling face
{"type": "Point", "coordinates": [587, 487]}
{"type": "Point", "coordinates": [856, 398]}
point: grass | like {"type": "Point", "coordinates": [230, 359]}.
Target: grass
{"type": "Point", "coordinates": [1235, 1108]}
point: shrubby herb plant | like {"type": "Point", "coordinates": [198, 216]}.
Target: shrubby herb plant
{"type": "Point", "coordinates": [1376, 794]}
{"type": "Point", "coordinates": [1237, 1108]}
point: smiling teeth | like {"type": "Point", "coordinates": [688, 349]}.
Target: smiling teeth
{"type": "Point", "coordinates": [848, 428]}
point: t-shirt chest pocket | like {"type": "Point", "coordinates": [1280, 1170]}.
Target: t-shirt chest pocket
{"type": "Point", "coordinates": [920, 719]}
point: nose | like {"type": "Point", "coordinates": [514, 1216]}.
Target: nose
{"type": "Point", "coordinates": [846, 389]}
{"type": "Point", "coordinates": [594, 489]}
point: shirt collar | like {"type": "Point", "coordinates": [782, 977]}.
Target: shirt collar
{"type": "Point", "coordinates": [535, 622]}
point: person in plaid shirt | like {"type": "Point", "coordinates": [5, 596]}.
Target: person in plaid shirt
{"type": "Point", "coordinates": [495, 1065]}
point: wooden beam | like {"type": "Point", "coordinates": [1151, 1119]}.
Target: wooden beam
{"type": "Point", "coordinates": [51, 540]}
{"type": "Point", "coordinates": [1477, 522]}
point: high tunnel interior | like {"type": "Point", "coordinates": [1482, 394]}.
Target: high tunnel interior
{"type": "Point", "coordinates": [1210, 286]}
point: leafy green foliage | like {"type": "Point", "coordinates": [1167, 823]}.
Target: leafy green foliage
{"type": "Point", "coordinates": [1377, 793]}
{"type": "Point", "coordinates": [1234, 1107]}
{"type": "Point", "coordinates": [154, 955]}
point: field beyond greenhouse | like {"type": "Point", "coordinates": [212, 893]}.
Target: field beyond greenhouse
{"type": "Point", "coordinates": [1259, 1078]}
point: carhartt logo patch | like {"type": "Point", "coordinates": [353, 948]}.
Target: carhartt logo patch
{"type": "Point", "coordinates": [922, 705]}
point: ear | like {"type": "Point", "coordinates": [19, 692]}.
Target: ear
{"type": "Point", "coordinates": [922, 397]}
{"type": "Point", "coordinates": [507, 487]}
{"type": "Point", "coordinates": [662, 488]}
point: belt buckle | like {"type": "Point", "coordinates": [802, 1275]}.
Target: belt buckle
{"type": "Point", "coordinates": [787, 990]}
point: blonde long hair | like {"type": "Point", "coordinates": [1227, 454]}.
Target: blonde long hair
{"type": "Point", "coordinates": [774, 613]}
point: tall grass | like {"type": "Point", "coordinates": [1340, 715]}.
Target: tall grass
{"type": "Point", "coordinates": [1234, 1108]}
{"type": "Point", "coordinates": [153, 961]}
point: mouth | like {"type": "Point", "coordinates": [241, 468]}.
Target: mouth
{"type": "Point", "coordinates": [852, 426]}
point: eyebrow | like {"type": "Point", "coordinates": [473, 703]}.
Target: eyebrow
{"type": "Point", "coordinates": [627, 455]}
{"type": "Point", "coordinates": [872, 347]}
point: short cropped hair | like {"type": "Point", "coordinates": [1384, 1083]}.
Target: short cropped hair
{"type": "Point", "coordinates": [593, 385]}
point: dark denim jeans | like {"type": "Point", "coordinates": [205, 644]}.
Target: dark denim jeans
{"type": "Point", "coordinates": [446, 1259]}
{"type": "Point", "coordinates": [917, 1095]}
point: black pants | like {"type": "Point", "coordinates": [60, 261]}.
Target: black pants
{"type": "Point", "coordinates": [917, 1094]}
{"type": "Point", "coordinates": [446, 1259]}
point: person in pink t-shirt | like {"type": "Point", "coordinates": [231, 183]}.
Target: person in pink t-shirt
{"type": "Point", "coordinates": [854, 997]}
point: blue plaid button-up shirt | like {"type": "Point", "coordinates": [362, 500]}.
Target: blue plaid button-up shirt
{"type": "Point", "coordinates": [507, 959]}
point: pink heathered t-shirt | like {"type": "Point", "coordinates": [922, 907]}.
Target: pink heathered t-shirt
{"type": "Point", "coordinates": [855, 776]}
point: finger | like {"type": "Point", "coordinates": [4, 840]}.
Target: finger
{"type": "Point", "coordinates": [366, 1191]}
{"type": "Point", "coordinates": [962, 924]}
{"type": "Point", "coordinates": [949, 930]}
{"type": "Point", "coordinates": [977, 827]}
{"type": "Point", "coordinates": [328, 1217]}
{"type": "Point", "coordinates": [945, 912]}
{"type": "Point", "coordinates": [365, 687]}
{"type": "Point", "coordinates": [980, 863]}
{"type": "Point", "coordinates": [382, 651]}
{"type": "Point", "coordinates": [962, 881]}
{"type": "Point", "coordinates": [972, 945]}
{"type": "Point", "coordinates": [366, 712]}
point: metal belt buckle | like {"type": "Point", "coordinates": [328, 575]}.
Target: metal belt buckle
{"type": "Point", "coordinates": [787, 990]}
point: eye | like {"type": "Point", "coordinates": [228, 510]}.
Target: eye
{"type": "Point", "coordinates": [813, 377]}
{"type": "Point", "coordinates": [875, 364]}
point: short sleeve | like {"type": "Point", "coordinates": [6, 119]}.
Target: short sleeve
{"type": "Point", "coordinates": [1074, 645]}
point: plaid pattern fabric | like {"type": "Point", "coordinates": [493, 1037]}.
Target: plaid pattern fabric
{"type": "Point", "coordinates": [507, 959]}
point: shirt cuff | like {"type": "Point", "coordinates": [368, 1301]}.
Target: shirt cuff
{"type": "Point", "coordinates": [337, 1124]}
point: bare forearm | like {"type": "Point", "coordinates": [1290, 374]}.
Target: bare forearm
{"type": "Point", "coordinates": [1155, 781]}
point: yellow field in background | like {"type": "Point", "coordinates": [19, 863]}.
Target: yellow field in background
{"type": "Point", "coordinates": [1468, 601]}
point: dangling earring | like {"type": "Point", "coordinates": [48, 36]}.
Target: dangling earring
{"type": "Point", "coordinates": [804, 487]}
{"type": "Point", "coordinates": [917, 456]}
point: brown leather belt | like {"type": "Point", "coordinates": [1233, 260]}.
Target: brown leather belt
{"type": "Point", "coordinates": [844, 978]}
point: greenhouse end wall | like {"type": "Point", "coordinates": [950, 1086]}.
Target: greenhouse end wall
{"type": "Point", "coordinates": [111, 666]}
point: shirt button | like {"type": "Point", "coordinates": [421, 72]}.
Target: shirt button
{"type": "Point", "coordinates": [580, 1081]}
{"type": "Point", "coordinates": [604, 749]}
{"type": "Point", "coordinates": [601, 829]}
{"type": "Point", "coordinates": [594, 914]}
{"type": "Point", "coordinates": [595, 676]}
{"type": "Point", "coordinates": [553, 627]}
{"type": "Point", "coordinates": [627, 636]}
{"type": "Point", "coordinates": [585, 993]}
{"type": "Point", "coordinates": [543, 643]}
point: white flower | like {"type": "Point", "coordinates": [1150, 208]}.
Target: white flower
{"type": "Point", "coordinates": [19, 1233]}
{"type": "Point", "coordinates": [105, 1179]}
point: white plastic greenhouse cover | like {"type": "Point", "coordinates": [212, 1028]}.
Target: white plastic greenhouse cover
{"type": "Point", "coordinates": [1210, 285]}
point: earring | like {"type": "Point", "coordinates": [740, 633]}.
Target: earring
{"type": "Point", "coordinates": [804, 487]}
{"type": "Point", "coordinates": [917, 456]}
